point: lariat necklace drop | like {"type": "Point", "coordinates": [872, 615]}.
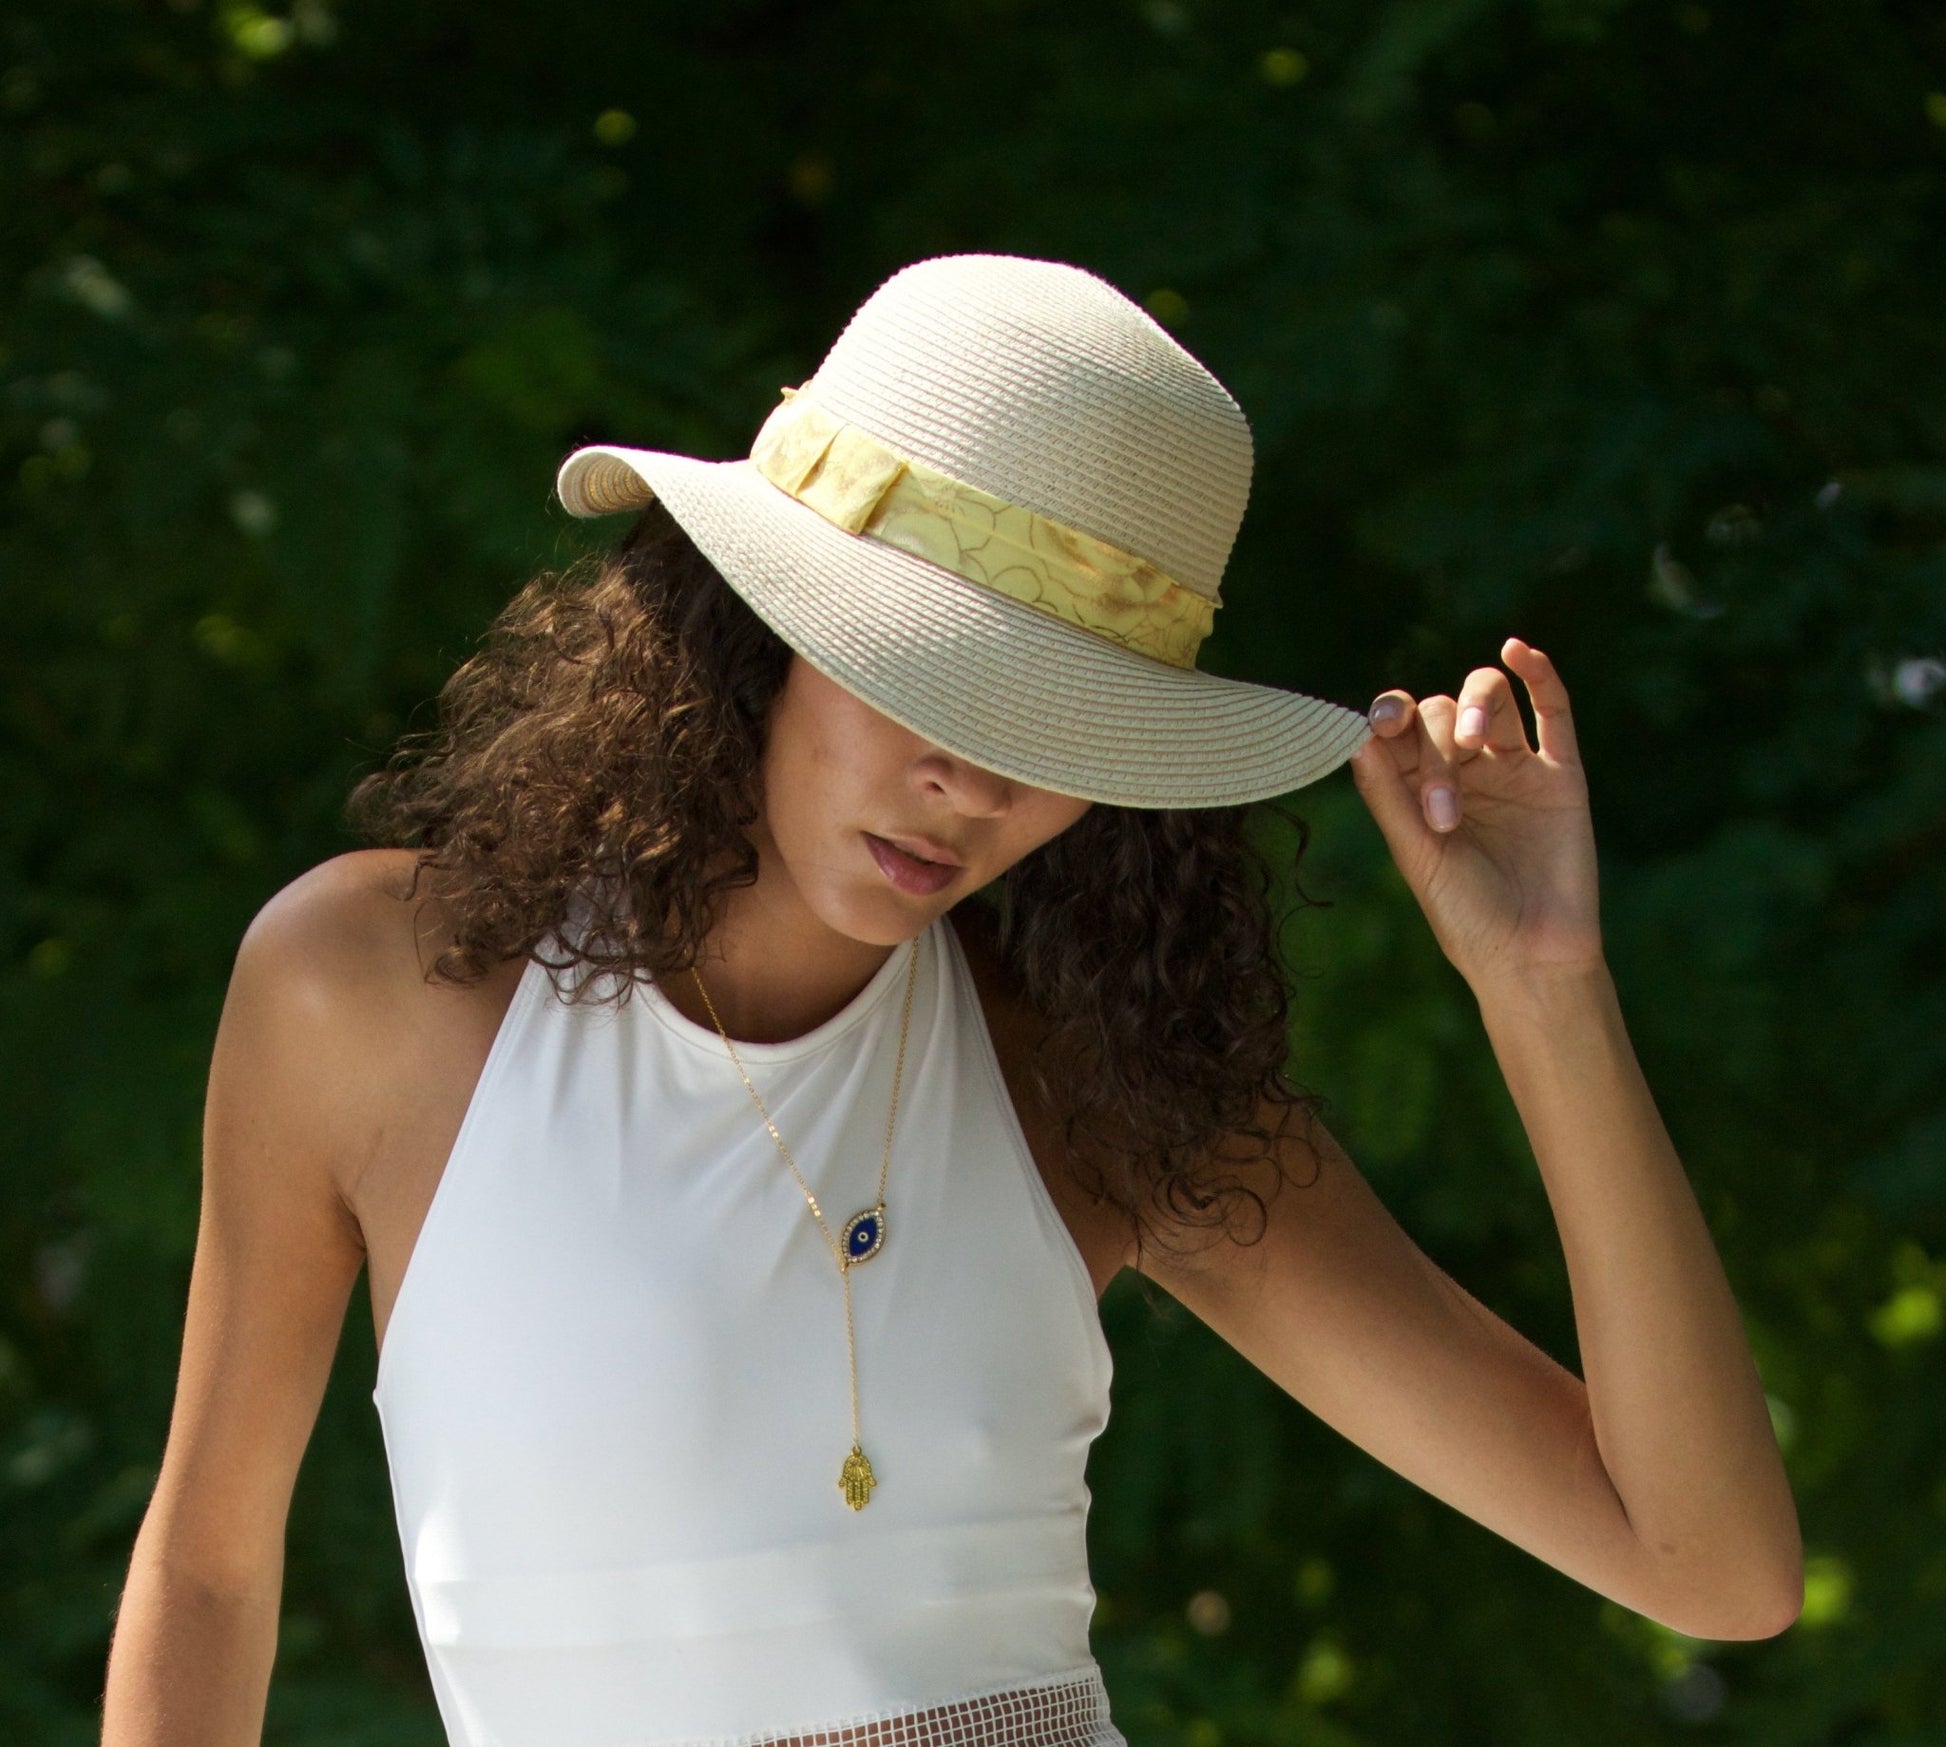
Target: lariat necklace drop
{"type": "Point", "coordinates": [864, 1233]}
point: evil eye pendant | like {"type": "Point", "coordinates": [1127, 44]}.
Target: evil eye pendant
{"type": "Point", "coordinates": [864, 1235]}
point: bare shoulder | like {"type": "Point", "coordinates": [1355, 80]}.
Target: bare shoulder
{"type": "Point", "coordinates": [1098, 1230]}
{"type": "Point", "coordinates": [391, 1051]}
{"type": "Point", "coordinates": [319, 997]}
{"type": "Point", "coordinates": [304, 1077]}
{"type": "Point", "coordinates": [341, 959]}
{"type": "Point", "coordinates": [324, 949]}
{"type": "Point", "coordinates": [347, 928]}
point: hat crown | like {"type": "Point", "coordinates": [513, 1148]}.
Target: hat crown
{"type": "Point", "coordinates": [1043, 384]}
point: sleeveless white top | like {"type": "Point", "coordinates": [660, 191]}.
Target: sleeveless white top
{"type": "Point", "coordinates": [614, 1395]}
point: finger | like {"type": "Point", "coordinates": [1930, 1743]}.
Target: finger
{"type": "Point", "coordinates": [1553, 720]}
{"type": "Point", "coordinates": [1391, 796]}
{"type": "Point", "coordinates": [1391, 713]}
{"type": "Point", "coordinates": [1394, 717]}
{"type": "Point", "coordinates": [1438, 788]}
{"type": "Point", "coordinates": [1488, 715]}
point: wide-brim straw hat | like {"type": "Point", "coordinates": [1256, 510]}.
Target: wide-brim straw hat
{"type": "Point", "coordinates": [999, 513]}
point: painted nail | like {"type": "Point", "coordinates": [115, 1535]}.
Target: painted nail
{"type": "Point", "coordinates": [1444, 807]}
{"type": "Point", "coordinates": [1473, 720]}
{"type": "Point", "coordinates": [1385, 709]}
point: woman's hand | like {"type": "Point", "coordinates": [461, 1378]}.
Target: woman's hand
{"type": "Point", "coordinates": [1493, 837]}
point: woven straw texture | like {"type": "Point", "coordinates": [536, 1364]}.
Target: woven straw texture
{"type": "Point", "coordinates": [1041, 383]}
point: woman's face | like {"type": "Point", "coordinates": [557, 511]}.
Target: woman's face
{"type": "Point", "coordinates": [838, 776]}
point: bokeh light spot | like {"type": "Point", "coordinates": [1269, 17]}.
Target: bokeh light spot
{"type": "Point", "coordinates": [1166, 305]}
{"type": "Point", "coordinates": [614, 127]}
{"type": "Point", "coordinates": [1913, 1313]}
{"type": "Point", "coordinates": [1827, 1590]}
{"type": "Point", "coordinates": [1209, 1613]}
{"type": "Point", "coordinates": [1283, 66]}
{"type": "Point", "coordinates": [1325, 1673]}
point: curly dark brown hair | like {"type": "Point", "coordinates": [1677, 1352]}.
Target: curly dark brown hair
{"type": "Point", "coordinates": [601, 749]}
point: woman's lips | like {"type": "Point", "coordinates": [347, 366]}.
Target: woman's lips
{"type": "Point", "coordinates": [908, 872]}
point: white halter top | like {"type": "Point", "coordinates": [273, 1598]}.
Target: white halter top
{"type": "Point", "coordinates": [614, 1395]}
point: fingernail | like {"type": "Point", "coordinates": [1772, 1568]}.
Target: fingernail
{"type": "Point", "coordinates": [1473, 720]}
{"type": "Point", "coordinates": [1444, 807]}
{"type": "Point", "coordinates": [1385, 709]}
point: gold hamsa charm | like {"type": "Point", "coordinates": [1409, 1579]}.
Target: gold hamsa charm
{"type": "Point", "coordinates": [855, 1479]}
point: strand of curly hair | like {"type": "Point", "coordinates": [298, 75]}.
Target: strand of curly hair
{"type": "Point", "coordinates": [601, 751]}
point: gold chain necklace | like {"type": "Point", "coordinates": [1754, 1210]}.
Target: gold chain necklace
{"type": "Point", "coordinates": [864, 1234]}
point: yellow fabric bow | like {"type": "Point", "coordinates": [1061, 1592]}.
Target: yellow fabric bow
{"type": "Point", "coordinates": [867, 487]}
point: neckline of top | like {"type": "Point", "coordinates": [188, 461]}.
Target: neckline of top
{"type": "Point", "coordinates": [707, 1037]}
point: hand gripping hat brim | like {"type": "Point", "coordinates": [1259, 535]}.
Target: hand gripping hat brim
{"type": "Point", "coordinates": [984, 378]}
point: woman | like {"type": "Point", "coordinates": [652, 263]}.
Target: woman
{"type": "Point", "coordinates": [820, 948]}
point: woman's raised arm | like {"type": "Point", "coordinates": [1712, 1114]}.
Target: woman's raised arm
{"type": "Point", "coordinates": [1657, 1481]}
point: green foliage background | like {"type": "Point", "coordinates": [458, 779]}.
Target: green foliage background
{"type": "Point", "coordinates": [1615, 325]}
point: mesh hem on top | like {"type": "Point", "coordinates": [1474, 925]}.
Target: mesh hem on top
{"type": "Point", "coordinates": [1063, 1710]}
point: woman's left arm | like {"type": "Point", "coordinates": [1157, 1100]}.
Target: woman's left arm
{"type": "Point", "coordinates": [1678, 1414]}
{"type": "Point", "coordinates": [1507, 880]}
{"type": "Point", "coordinates": [1655, 1479]}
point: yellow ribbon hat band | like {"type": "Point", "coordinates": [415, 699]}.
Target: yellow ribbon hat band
{"type": "Point", "coordinates": [867, 487]}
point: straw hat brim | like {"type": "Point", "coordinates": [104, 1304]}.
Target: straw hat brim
{"type": "Point", "coordinates": [1001, 684]}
